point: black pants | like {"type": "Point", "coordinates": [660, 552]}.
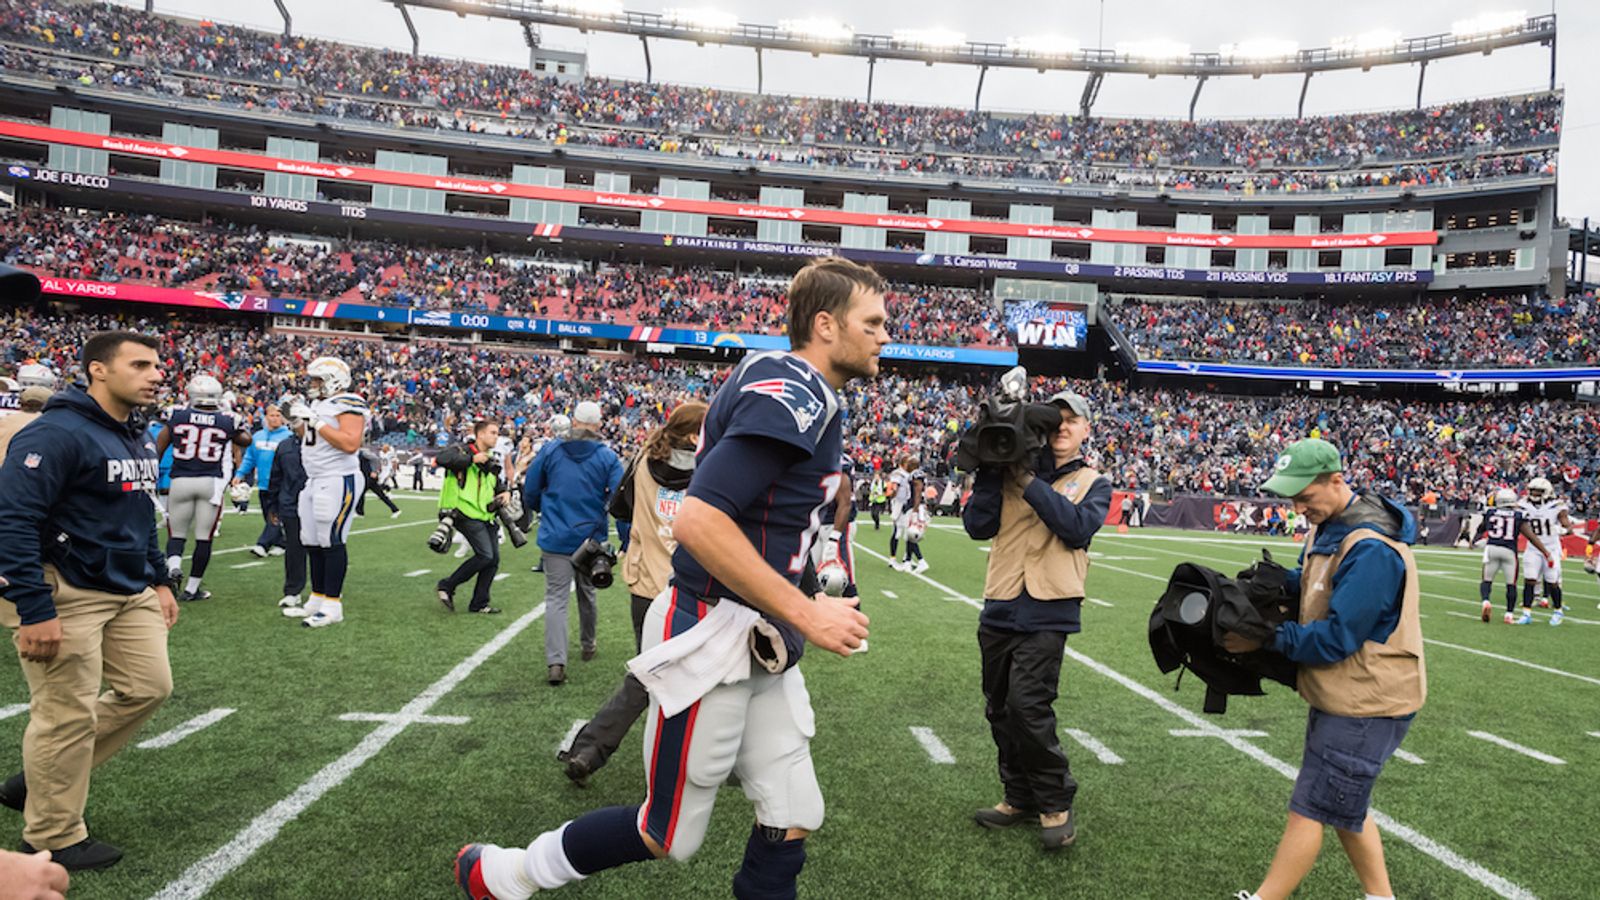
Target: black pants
{"type": "Point", "coordinates": [416, 478]}
{"type": "Point", "coordinates": [374, 489]}
{"type": "Point", "coordinates": [294, 556]}
{"type": "Point", "coordinates": [484, 539]}
{"type": "Point", "coordinates": [271, 535]}
{"type": "Point", "coordinates": [1021, 673]}
{"type": "Point", "coordinates": [604, 733]}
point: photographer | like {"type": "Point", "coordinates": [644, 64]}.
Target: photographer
{"type": "Point", "coordinates": [648, 498]}
{"type": "Point", "coordinates": [472, 491]}
{"type": "Point", "coordinates": [1040, 515]}
{"type": "Point", "coordinates": [280, 502]}
{"type": "Point", "coordinates": [1359, 646]}
{"type": "Point", "coordinates": [568, 484]}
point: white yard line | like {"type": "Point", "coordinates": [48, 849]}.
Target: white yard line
{"type": "Point", "coordinates": [1513, 745]}
{"type": "Point", "coordinates": [930, 742]}
{"type": "Point", "coordinates": [404, 719]}
{"type": "Point", "coordinates": [15, 709]}
{"type": "Point", "coordinates": [190, 727]}
{"type": "Point", "coordinates": [417, 573]}
{"type": "Point", "coordinates": [891, 595]}
{"type": "Point", "coordinates": [1098, 602]}
{"type": "Point", "coordinates": [1428, 846]}
{"type": "Point", "coordinates": [201, 877]}
{"type": "Point", "coordinates": [1408, 756]}
{"type": "Point", "coordinates": [1217, 732]}
{"type": "Point", "coordinates": [502, 576]}
{"type": "Point", "coordinates": [1088, 742]}
{"type": "Point", "coordinates": [249, 565]}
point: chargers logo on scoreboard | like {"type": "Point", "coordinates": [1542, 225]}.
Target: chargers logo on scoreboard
{"type": "Point", "coordinates": [1048, 325]}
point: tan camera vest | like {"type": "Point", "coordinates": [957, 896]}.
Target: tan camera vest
{"type": "Point", "coordinates": [647, 566]}
{"type": "Point", "coordinates": [1026, 554]}
{"type": "Point", "coordinates": [1387, 679]}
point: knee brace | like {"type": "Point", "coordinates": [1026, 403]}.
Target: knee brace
{"type": "Point", "coordinates": [771, 865]}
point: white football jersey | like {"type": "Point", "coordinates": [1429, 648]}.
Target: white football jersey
{"type": "Point", "coordinates": [321, 458]}
{"type": "Point", "coordinates": [1545, 520]}
{"type": "Point", "coordinates": [900, 483]}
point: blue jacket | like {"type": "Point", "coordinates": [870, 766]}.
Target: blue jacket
{"type": "Point", "coordinates": [258, 456]}
{"type": "Point", "coordinates": [280, 494]}
{"type": "Point", "coordinates": [1365, 605]}
{"type": "Point", "coordinates": [164, 483]}
{"type": "Point", "coordinates": [569, 482]}
{"type": "Point", "coordinates": [75, 492]}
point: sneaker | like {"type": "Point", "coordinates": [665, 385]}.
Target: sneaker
{"type": "Point", "coordinates": [557, 675]}
{"type": "Point", "coordinates": [486, 610]}
{"type": "Point", "coordinates": [469, 873]}
{"type": "Point", "coordinates": [447, 598]}
{"type": "Point", "coordinates": [14, 792]}
{"type": "Point", "coordinates": [1054, 837]}
{"type": "Point", "coordinates": [991, 817]}
{"type": "Point", "coordinates": [1526, 618]}
{"type": "Point", "coordinates": [1557, 616]}
{"type": "Point", "coordinates": [83, 856]}
{"type": "Point", "coordinates": [921, 566]}
{"type": "Point", "coordinates": [258, 551]}
{"type": "Point", "coordinates": [192, 596]}
{"type": "Point", "coordinates": [275, 551]}
{"type": "Point", "coordinates": [288, 601]}
{"type": "Point", "coordinates": [395, 514]}
{"type": "Point", "coordinates": [1510, 619]}
{"type": "Point", "coordinates": [1487, 609]}
{"type": "Point", "coordinates": [589, 653]}
{"type": "Point", "coordinates": [578, 769]}
{"type": "Point", "coordinates": [300, 612]}
{"type": "Point", "coordinates": [322, 618]}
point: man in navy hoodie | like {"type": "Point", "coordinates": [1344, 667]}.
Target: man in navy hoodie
{"type": "Point", "coordinates": [568, 484]}
{"type": "Point", "coordinates": [1359, 645]}
{"type": "Point", "coordinates": [84, 578]}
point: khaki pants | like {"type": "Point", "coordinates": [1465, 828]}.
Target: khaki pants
{"type": "Point", "coordinates": [72, 725]}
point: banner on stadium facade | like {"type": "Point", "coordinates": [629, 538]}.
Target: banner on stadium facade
{"type": "Point", "coordinates": [726, 209]}
{"type": "Point", "coordinates": [1052, 269]}
{"type": "Point", "coordinates": [236, 301]}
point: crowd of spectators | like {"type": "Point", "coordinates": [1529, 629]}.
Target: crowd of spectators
{"type": "Point", "coordinates": [1493, 331]}
{"type": "Point", "coordinates": [255, 69]}
{"type": "Point", "coordinates": [1164, 441]}
{"type": "Point", "coordinates": [145, 249]}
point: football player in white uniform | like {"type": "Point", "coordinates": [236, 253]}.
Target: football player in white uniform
{"type": "Point", "coordinates": [1546, 516]}
{"type": "Point", "coordinates": [329, 451]}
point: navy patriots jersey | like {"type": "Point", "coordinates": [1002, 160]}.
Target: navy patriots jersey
{"type": "Point", "coordinates": [778, 396]}
{"type": "Point", "coordinates": [201, 443]}
{"type": "Point", "coordinates": [1501, 527]}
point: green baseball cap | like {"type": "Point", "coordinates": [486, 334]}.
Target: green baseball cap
{"type": "Point", "coordinates": [1300, 464]}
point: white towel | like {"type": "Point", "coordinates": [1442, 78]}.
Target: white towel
{"type": "Point", "coordinates": [682, 669]}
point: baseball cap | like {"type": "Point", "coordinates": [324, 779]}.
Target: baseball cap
{"type": "Point", "coordinates": [587, 413]}
{"type": "Point", "coordinates": [35, 394]}
{"type": "Point", "coordinates": [1074, 402]}
{"type": "Point", "coordinates": [1300, 464]}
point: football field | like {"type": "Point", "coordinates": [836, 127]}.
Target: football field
{"type": "Point", "coordinates": [353, 761]}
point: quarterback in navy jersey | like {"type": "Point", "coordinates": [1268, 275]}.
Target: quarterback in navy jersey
{"type": "Point", "coordinates": [766, 480]}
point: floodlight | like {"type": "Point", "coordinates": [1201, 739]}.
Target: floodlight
{"type": "Point", "coordinates": [931, 38]}
{"type": "Point", "coordinates": [702, 18]}
{"type": "Point", "coordinates": [1374, 41]}
{"type": "Point", "coordinates": [1489, 23]}
{"type": "Point", "coordinates": [1260, 48]}
{"type": "Point", "coordinates": [818, 29]}
{"type": "Point", "coordinates": [593, 9]}
{"type": "Point", "coordinates": [1043, 45]}
{"type": "Point", "coordinates": [1157, 49]}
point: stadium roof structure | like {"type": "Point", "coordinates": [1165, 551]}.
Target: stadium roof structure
{"type": "Point", "coordinates": [1484, 34]}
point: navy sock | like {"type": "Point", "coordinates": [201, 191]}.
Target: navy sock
{"type": "Point", "coordinates": [335, 562]}
{"type": "Point", "coordinates": [894, 547]}
{"type": "Point", "coordinates": [771, 866]}
{"type": "Point", "coordinates": [175, 546]}
{"type": "Point", "coordinates": [1483, 590]}
{"type": "Point", "coordinates": [202, 558]}
{"type": "Point", "coordinates": [1527, 594]}
{"type": "Point", "coordinates": [1511, 598]}
{"type": "Point", "coordinates": [1553, 591]}
{"type": "Point", "coordinates": [316, 562]}
{"type": "Point", "coordinates": [604, 839]}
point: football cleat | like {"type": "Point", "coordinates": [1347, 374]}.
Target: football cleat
{"type": "Point", "coordinates": [288, 601]}
{"type": "Point", "coordinates": [1487, 609]}
{"type": "Point", "coordinates": [322, 619]}
{"type": "Point", "coordinates": [192, 596]}
{"type": "Point", "coordinates": [1557, 616]}
{"type": "Point", "coordinates": [1510, 619]}
{"type": "Point", "coordinates": [1525, 619]}
{"type": "Point", "coordinates": [921, 566]}
{"type": "Point", "coordinates": [300, 612]}
{"type": "Point", "coordinates": [469, 872]}
{"type": "Point", "coordinates": [258, 551]}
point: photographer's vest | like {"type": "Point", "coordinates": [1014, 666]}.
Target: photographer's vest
{"type": "Point", "coordinates": [647, 566]}
{"type": "Point", "coordinates": [1387, 679]}
{"type": "Point", "coordinates": [1026, 554]}
{"type": "Point", "coordinates": [469, 494]}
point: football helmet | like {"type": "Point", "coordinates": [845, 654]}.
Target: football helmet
{"type": "Point", "coordinates": [300, 411]}
{"type": "Point", "coordinates": [1505, 497]}
{"type": "Point", "coordinates": [9, 385]}
{"type": "Point", "coordinates": [1539, 490]}
{"type": "Point", "coordinates": [36, 375]}
{"type": "Point", "coordinates": [240, 492]}
{"type": "Point", "coordinates": [833, 579]}
{"type": "Point", "coordinates": [205, 392]}
{"type": "Point", "coordinates": [334, 374]}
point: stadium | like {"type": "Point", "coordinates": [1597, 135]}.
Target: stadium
{"type": "Point", "coordinates": [493, 242]}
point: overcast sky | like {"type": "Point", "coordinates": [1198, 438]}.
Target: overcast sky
{"type": "Point", "coordinates": [376, 22]}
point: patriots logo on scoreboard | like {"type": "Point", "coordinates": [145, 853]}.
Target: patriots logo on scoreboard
{"type": "Point", "coordinates": [795, 397]}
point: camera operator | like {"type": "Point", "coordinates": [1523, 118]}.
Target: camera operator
{"type": "Point", "coordinates": [568, 484]}
{"type": "Point", "coordinates": [473, 490]}
{"type": "Point", "coordinates": [1359, 645]}
{"type": "Point", "coordinates": [1040, 515]}
{"type": "Point", "coordinates": [648, 499]}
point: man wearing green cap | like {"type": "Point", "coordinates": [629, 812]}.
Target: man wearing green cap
{"type": "Point", "coordinates": [1359, 646]}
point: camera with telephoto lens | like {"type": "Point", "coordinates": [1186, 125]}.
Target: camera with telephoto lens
{"type": "Point", "coordinates": [439, 538]}
{"type": "Point", "coordinates": [593, 562]}
{"type": "Point", "coordinates": [508, 520]}
{"type": "Point", "coordinates": [1007, 430]}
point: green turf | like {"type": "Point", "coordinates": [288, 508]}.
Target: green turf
{"type": "Point", "coordinates": [1181, 817]}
